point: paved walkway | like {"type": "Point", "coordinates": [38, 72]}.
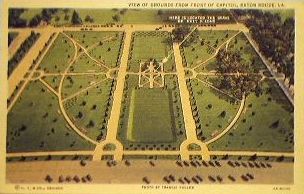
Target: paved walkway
{"type": "Point", "coordinates": [187, 111]}
{"type": "Point", "coordinates": [149, 153]}
{"type": "Point", "coordinates": [22, 35]}
{"type": "Point", "coordinates": [22, 68]}
{"type": "Point", "coordinates": [113, 121]}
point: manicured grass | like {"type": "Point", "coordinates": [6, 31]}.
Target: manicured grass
{"type": "Point", "coordinates": [88, 38]}
{"type": "Point", "coordinates": [105, 16]}
{"type": "Point", "coordinates": [58, 56]}
{"type": "Point", "coordinates": [255, 130]}
{"type": "Point", "coordinates": [109, 51]}
{"type": "Point", "coordinates": [150, 116]}
{"type": "Point", "coordinates": [177, 123]}
{"type": "Point", "coordinates": [53, 81]}
{"type": "Point", "coordinates": [151, 45]}
{"type": "Point", "coordinates": [210, 105]}
{"type": "Point", "coordinates": [148, 46]}
{"type": "Point", "coordinates": [73, 84]}
{"type": "Point", "coordinates": [105, 47]}
{"type": "Point", "coordinates": [91, 109]}
{"type": "Point", "coordinates": [57, 18]}
{"type": "Point", "coordinates": [216, 38]}
{"type": "Point", "coordinates": [35, 123]}
{"type": "Point", "coordinates": [203, 49]}
{"type": "Point", "coordinates": [141, 17]}
{"type": "Point", "coordinates": [100, 16]}
{"type": "Point", "coordinates": [85, 64]}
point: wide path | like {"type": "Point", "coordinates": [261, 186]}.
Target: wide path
{"type": "Point", "coordinates": [22, 35]}
{"type": "Point", "coordinates": [35, 172]}
{"type": "Point", "coordinates": [184, 94]}
{"type": "Point", "coordinates": [113, 121]}
{"type": "Point", "coordinates": [118, 94]}
{"type": "Point", "coordinates": [22, 68]}
{"type": "Point", "coordinates": [187, 111]}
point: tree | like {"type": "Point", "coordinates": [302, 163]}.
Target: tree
{"type": "Point", "coordinates": [76, 20]}
{"type": "Point", "coordinates": [35, 21]}
{"type": "Point", "coordinates": [89, 19]}
{"type": "Point", "coordinates": [180, 33]}
{"type": "Point", "coordinates": [223, 114]}
{"type": "Point", "coordinates": [116, 18]}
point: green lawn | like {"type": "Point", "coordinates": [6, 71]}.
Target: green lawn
{"type": "Point", "coordinates": [35, 123]}
{"type": "Point", "coordinates": [58, 56]}
{"type": "Point", "coordinates": [174, 121]}
{"type": "Point", "coordinates": [255, 130]}
{"type": "Point", "coordinates": [150, 116]}
{"type": "Point", "coordinates": [57, 19]}
{"type": "Point", "coordinates": [203, 49]}
{"type": "Point", "coordinates": [85, 64]}
{"type": "Point", "coordinates": [53, 81]}
{"type": "Point", "coordinates": [151, 45]}
{"type": "Point", "coordinates": [211, 122]}
{"type": "Point", "coordinates": [90, 111]}
{"type": "Point", "coordinates": [105, 47]}
{"type": "Point", "coordinates": [73, 84]}
{"type": "Point", "coordinates": [105, 16]}
{"type": "Point", "coordinates": [148, 46]}
{"type": "Point", "coordinates": [88, 38]}
{"type": "Point", "coordinates": [109, 51]}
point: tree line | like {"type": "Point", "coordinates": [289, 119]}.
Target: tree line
{"type": "Point", "coordinates": [275, 38]}
{"type": "Point", "coordinates": [22, 50]}
{"type": "Point", "coordinates": [46, 15]}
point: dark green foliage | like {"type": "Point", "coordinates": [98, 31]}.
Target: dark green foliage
{"type": "Point", "coordinates": [23, 49]}
{"type": "Point", "coordinates": [76, 20]}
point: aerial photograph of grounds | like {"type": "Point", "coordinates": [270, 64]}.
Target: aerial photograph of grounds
{"type": "Point", "coordinates": [150, 96]}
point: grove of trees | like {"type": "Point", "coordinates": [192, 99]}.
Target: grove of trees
{"type": "Point", "coordinates": [275, 38]}
{"type": "Point", "coordinates": [231, 62]}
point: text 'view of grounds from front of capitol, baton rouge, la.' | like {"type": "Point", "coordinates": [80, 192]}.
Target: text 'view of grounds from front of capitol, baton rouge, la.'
{"type": "Point", "coordinates": [150, 96]}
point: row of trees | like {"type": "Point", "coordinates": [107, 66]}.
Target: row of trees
{"type": "Point", "coordinates": [14, 19]}
{"type": "Point", "coordinates": [46, 15]}
{"type": "Point", "coordinates": [20, 53]}
{"type": "Point", "coordinates": [275, 38]}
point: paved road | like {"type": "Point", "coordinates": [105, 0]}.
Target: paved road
{"type": "Point", "coordinates": [24, 65]}
{"type": "Point", "coordinates": [22, 35]}
{"type": "Point", "coordinates": [35, 172]}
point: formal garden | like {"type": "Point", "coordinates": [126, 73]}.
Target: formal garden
{"type": "Point", "coordinates": [151, 45]}
{"type": "Point", "coordinates": [151, 119]}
